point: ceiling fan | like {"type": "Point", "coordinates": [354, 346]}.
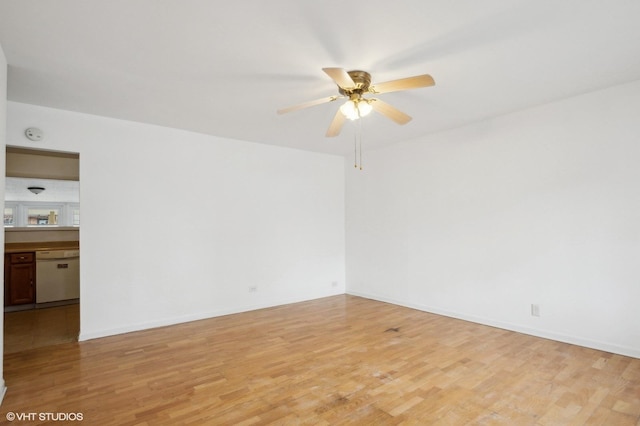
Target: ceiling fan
{"type": "Point", "coordinates": [354, 85]}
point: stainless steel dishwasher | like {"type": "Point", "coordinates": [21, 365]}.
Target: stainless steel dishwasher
{"type": "Point", "coordinates": [57, 275]}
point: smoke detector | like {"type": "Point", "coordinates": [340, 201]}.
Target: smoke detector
{"type": "Point", "coordinates": [34, 134]}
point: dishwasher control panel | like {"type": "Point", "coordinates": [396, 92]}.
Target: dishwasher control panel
{"type": "Point", "coordinates": [57, 254]}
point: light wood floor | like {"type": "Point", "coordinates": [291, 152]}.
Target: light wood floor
{"type": "Point", "coordinates": [41, 327]}
{"type": "Point", "coordinates": [337, 360]}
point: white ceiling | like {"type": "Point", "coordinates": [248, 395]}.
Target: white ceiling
{"type": "Point", "coordinates": [223, 68]}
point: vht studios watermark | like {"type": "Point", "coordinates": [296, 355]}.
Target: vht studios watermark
{"type": "Point", "coordinates": [44, 417]}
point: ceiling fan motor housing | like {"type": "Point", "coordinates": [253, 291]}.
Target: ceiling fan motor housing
{"type": "Point", "coordinates": [362, 79]}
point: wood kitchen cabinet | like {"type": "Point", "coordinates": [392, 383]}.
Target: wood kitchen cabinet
{"type": "Point", "coordinates": [19, 278]}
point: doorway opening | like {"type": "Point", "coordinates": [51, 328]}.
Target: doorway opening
{"type": "Point", "coordinates": [42, 248]}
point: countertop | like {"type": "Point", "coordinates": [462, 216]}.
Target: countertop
{"type": "Point", "coordinates": [41, 246]}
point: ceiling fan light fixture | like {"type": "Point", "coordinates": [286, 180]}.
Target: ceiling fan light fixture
{"type": "Point", "coordinates": [36, 189]}
{"type": "Point", "coordinates": [348, 109]}
{"type": "Point", "coordinates": [364, 108]}
{"type": "Point", "coordinates": [354, 85]}
{"type": "Point", "coordinates": [355, 109]}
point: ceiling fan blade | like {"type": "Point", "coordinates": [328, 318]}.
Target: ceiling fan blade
{"type": "Point", "coordinates": [415, 82]}
{"type": "Point", "coordinates": [307, 104]}
{"type": "Point", "coordinates": [389, 111]}
{"type": "Point", "coordinates": [336, 124]}
{"type": "Point", "coordinates": [341, 77]}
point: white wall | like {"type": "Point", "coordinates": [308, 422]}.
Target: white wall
{"type": "Point", "coordinates": [178, 226]}
{"type": "Point", "coordinates": [3, 128]}
{"type": "Point", "coordinates": [537, 207]}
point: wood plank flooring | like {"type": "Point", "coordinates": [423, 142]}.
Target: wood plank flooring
{"type": "Point", "coordinates": [332, 361]}
{"type": "Point", "coordinates": [41, 327]}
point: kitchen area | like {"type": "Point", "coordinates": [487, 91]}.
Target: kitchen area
{"type": "Point", "coordinates": [42, 252]}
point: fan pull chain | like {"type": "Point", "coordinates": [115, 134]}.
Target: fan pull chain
{"type": "Point", "coordinates": [360, 142]}
{"type": "Point", "coordinates": [355, 148]}
{"type": "Point", "coordinates": [357, 143]}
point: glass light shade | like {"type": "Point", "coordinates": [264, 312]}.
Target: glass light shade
{"type": "Point", "coordinates": [364, 108]}
{"type": "Point", "coordinates": [354, 110]}
{"type": "Point", "coordinates": [349, 110]}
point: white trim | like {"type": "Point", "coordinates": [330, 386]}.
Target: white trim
{"type": "Point", "coordinates": [546, 334]}
{"type": "Point", "coordinates": [3, 390]}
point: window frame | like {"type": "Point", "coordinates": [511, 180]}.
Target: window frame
{"type": "Point", "coordinates": [15, 213]}
{"type": "Point", "coordinates": [21, 214]}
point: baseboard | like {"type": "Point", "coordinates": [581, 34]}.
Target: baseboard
{"type": "Point", "coordinates": [57, 303]}
{"type": "Point", "coordinates": [546, 334]}
{"type": "Point", "coordinates": [43, 305]}
{"type": "Point", "coordinates": [96, 334]}
{"type": "Point", "coordinates": [18, 308]}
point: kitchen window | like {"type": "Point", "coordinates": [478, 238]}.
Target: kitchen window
{"type": "Point", "coordinates": [75, 215]}
{"type": "Point", "coordinates": [38, 216]}
{"type": "Point", "coordinates": [9, 215]}
{"type": "Point", "coordinates": [28, 215]}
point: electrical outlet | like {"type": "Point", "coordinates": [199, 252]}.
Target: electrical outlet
{"type": "Point", "coordinates": [334, 284]}
{"type": "Point", "coordinates": [253, 289]}
{"type": "Point", "coordinates": [535, 310]}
